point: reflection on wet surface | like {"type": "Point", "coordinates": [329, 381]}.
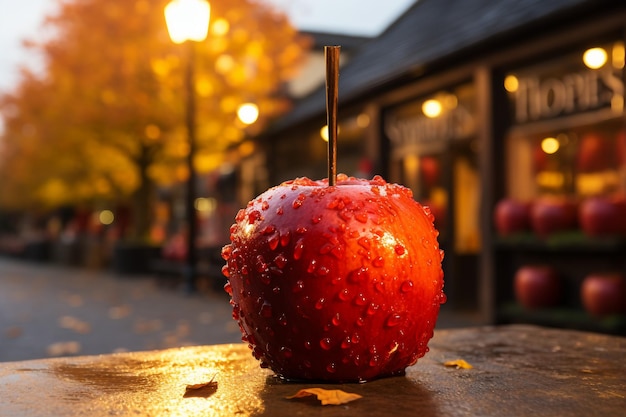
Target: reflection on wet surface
{"type": "Point", "coordinates": [150, 383]}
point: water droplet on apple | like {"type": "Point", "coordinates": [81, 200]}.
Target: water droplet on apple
{"type": "Point", "coordinates": [374, 360]}
{"type": "Point", "coordinates": [336, 320]}
{"type": "Point", "coordinates": [344, 294]}
{"type": "Point", "coordinates": [326, 343]}
{"type": "Point", "coordinates": [282, 320]}
{"type": "Point", "coordinates": [331, 368]}
{"type": "Point", "coordinates": [286, 352]}
{"type": "Point", "coordinates": [378, 262]}
{"type": "Point", "coordinates": [298, 286]}
{"type": "Point", "coordinates": [254, 216]}
{"type": "Point", "coordinates": [361, 217]}
{"type": "Point", "coordinates": [298, 249]}
{"type": "Point", "coordinates": [346, 343]}
{"type": "Point", "coordinates": [399, 249]}
{"type": "Point", "coordinates": [265, 205]}
{"type": "Point", "coordinates": [265, 278]}
{"type": "Point", "coordinates": [308, 345]}
{"type": "Point", "coordinates": [358, 276]}
{"type": "Point", "coordinates": [272, 241]}
{"type": "Point", "coordinates": [372, 308]}
{"type": "Point", "coordinates": [225, 271]}
{"type": "Point", "coordinates": [311, 267]}
{"type": "Point", "coordinates": [228, 288]}
{"type": "Point", "coordinates": [285, 238]}
{"type": "Point", "coordinates": [280, 211]}
{"type": "Point", "coordinates": [320, 303]}
{"type": "Point", "coordinates": [280, 261]}
{"type": "Point", "coordinates": [360, 299]}
{"type": "Point", "coordinates": [393, 320]}
{"type": "Point", "coordinates": [322, 271]}
{"type": "Point", "coordinates": [266, 310]}
{"type": "Point", "coordinates": [406, 286]}
{"type": "Point", "coordinates": [316, 219]}
{"type": "Point", "coordinates": [364, 242]}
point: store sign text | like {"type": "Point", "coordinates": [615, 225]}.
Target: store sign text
{"type": "Point", "coordinates": [537, 99]}
{"type": "Point", "coordinates": [416, 129]}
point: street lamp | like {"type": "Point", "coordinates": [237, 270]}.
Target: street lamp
{"type": "Point", "coordinates": [187, 22]}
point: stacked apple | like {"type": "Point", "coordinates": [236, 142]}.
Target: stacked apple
{"type": "Point", "coordinates": [335, 283]}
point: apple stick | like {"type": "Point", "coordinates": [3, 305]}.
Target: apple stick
{"type": "Point", "coordinates": [331, 54]}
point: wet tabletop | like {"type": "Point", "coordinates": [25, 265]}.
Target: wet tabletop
{"type": "Point", "coordinates": [517, 371]}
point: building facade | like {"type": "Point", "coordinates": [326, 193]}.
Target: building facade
{"type": "Point", "coordinates": [473, 103]}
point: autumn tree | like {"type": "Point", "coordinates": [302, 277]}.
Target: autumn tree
{"type": "Point", "coordinates": [105, 119]}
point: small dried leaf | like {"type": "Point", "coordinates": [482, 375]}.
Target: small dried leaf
{"type": "Point", "coordinates": [459, 364]}
{"type": "Point", "coordinates": [204, 389]}
{"type": "Point", "coordinates": [327, 397]}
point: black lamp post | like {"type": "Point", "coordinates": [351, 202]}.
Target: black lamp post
{"type": "Point", "coordinates": [188, 22]}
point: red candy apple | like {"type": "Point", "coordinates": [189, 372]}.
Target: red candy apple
{"type": "Point", "coordinates": [537, 286]}
{"type": "Point", "coordinates": [601, 216]}
{"type": "Point", "coordinates": [335, 283]}
{"type": "Point", "coordinates": [549, 215]}
{"type": "Point", "coordinates": [603, 294]}
{"type": "Point", "coordinates": [511, 216]}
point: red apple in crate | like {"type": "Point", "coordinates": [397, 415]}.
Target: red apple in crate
{"type": "Point", "coordinates": [511, 216]}
{"type": "Point", "coordinates": [335, 283]}
{"type": "Point", "coordinates": [549, 215]}
{"type": "Point", "coordinates": [595, 154]}
{"type": "Point", "coordinates": [601, 216]}
{"type": "Point", "coordinates": [537, 286]}
{"type": "Point", "coordinates": [603, 294]}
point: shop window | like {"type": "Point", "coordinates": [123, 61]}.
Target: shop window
{"type": "Point", "coordinates": [431, 151]}
{"type": "Point", "coordinates": [568, 137]}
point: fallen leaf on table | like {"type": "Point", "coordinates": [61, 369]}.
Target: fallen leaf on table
{"type": "Point", "coordinates": [327, 397]}
{"type": "Point", "coordinates": [459, 364]}
{"type": "Point", "coordinates": [204, 389]}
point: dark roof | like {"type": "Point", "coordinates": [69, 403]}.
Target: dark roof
{"type": "Point", "coordinates": [349, 42]}
{"type": "Point", "coordinates": [429, 31]}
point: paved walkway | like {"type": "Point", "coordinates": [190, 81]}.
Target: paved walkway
{"type": "Point", "coordinates": [50, 310]}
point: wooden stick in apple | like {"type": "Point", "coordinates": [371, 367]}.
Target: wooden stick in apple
{"type": "Point", "coordinates": [331, 54]}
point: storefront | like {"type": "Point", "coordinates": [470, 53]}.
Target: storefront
{"type": "Point", "coordinates": [516, 116]}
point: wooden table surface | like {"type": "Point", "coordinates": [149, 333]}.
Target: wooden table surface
{"type": "Point", "coordinates": [517, 371]}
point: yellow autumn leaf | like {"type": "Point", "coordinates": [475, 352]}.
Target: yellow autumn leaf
{"type": "Point", "coordinates": [459, 364]}
{"type": "Point", "coordinates": [327, 397]}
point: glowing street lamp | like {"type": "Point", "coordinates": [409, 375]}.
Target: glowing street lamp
{"type": "Point", "coordinates": [187, 22]}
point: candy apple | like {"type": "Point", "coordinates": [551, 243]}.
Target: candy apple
{"type": "Point", "coordinates": [595, 154]}
{"type": "Point", "coordinates": [603, 294]}
{"type": "Point", "coordinates": [511, 216]}
{"type": "Point", "coordinates": [335, 283]}
{"type": "Point", "coordinates": [537, 286]}
{"type": "Point", "coordinates": [551, 215]}
{"type": "Point", "coordinates": [601, 216]}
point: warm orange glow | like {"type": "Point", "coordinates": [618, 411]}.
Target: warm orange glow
{"type": "Point", "coordinates": [511, 83]}
{"type": "Point", "coordinates": [248, 113]}
{"type": "Point", "coordinates": [550, 145]}
{"type": "Point", "coordinates": [432, 108]}
{"type": "Point", "coordinates": [187, 20]}
{"type": "Point", "coordinates": [595, 58]}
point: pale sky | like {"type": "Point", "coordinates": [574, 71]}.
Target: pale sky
{"type": "Point", "coordinates": [21, 19]}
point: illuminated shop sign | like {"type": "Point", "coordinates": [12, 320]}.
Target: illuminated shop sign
{"type": "Point", "coordinates": [537, 98]}
{"type": "Point", "coordinates": [433, 121]}
{"type": "Point", "coordinates": [567, 87]}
